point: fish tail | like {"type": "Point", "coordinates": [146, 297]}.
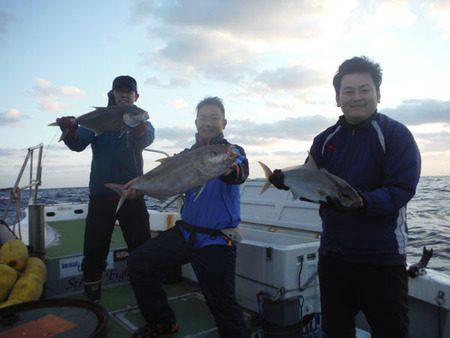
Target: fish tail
{"type": "Point", "coordinates": [118, 188]}
{"type": "Point", "coordinates": [267, 173]}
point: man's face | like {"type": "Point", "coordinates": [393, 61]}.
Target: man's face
{"type": "Point", "coordinates": [210, 121]}
{"type": "Point", "coordinates": [125, 96]}
{"type": "Point", "coordinates": [358, 97]}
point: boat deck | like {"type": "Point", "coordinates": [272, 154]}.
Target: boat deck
{"type": "Point", "coordinates": [70, 236]}
{"type": "Point", "coordinates": [189, 305]}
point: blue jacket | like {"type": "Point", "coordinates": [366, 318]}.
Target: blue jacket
{"type": "Point", "coordinates": [380, 159]}
{"type": "Point", "coordinates": [218, 206]}
{"type": "Point", "coordinates": [116, 156]}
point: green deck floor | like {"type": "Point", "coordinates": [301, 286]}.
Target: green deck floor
{"type": "Point", "coordinates": [71, 237]}
{"type": "Point", "coordinates": [192, 313]}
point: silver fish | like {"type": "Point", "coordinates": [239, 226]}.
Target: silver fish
{"type": "Point", "coordinates": [111, 118]}
{"type": "Point", "coordinates": [307, 181]}
{"type": "Point", "coordinates": [181, 172]}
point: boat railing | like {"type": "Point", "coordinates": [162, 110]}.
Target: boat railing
{"type": "Point", "coordinates": [35, 180]}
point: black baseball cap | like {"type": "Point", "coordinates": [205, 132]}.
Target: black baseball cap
{"type": "Point", "coordinates": [124, 81]}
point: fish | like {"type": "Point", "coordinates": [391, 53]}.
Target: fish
{"type": "Point", "coordinates": [309, 182]}
{"type": "Point", "coordinates": [180, 173]}
{"type": "Point", "coordinates": [112, 118]}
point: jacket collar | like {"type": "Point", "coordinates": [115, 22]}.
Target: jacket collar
{"type": "Point", "coordinates": [362, 125]}
{"type": "Point", "coordinates": [214, 140]}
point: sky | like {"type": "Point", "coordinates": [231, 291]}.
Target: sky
{"type": "Point", "coordinates": [271, 62]}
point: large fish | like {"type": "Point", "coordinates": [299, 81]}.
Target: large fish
{"type": "Point", "coordinates": [111, 118]}
{"type": "Point", "coordinates": [309, 182]}
{"type": "Point", "coordinates": [181, 172]}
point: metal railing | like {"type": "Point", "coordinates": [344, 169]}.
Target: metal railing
{"type": "Point", "coordinates": [33, 184]}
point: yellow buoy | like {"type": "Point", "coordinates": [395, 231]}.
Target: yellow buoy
{"type": "Point", "coordinates": [8, 277]}
{"type": "Point", "coordinates": [27, 288]}
{"type": "Point", "coordinates": [10, 302]}
{"type": "Point", "coordinates": [36, 266]}
{"type": "Point", "coordinates": [14, 253]}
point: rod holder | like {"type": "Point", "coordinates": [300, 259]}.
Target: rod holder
{"type": "Point", "coordinates": [36, 229]}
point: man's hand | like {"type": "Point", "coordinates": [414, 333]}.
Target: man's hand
{"type": "Point", "coordinates": [66, 122]}
{"type": "Point", "coordinates": [277, 179]}
{"type": "Point", "coordinates": [140, 129]}
{"type": "Point", "coordinates": [335, 204]}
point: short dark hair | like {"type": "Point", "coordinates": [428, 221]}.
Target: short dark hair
{"type": "Point", "coordinates": [211, 101]}
{"type": "Point", "coordinates": [358, 64]}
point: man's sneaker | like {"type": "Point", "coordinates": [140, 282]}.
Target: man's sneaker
{"type": "Point", "coordinates": [93, 290]}
{"type": "Point", "coordinates": [156, 330]}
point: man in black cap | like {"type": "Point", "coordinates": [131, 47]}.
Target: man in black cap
{"type": "Point", "coordinates": [116, 157]}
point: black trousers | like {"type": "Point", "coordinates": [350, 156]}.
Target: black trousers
{"type": "Point", "coordinates": [380, 292]}
{"type": "Point", "coordinates": [134, 223]}
{"type": "Point", "coordinates": [214, 267]}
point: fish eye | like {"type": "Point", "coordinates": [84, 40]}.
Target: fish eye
{"type": "Point", "coordinates": [214, 153]}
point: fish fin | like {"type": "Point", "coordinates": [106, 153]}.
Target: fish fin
{"type": "Point", "coordinates": [310, 163]}
{"type": "Point", "coordinates": [199, 192]}
{"type": "Point", "coordinates": [54, 124]}
{"type": "Point", "coordinates": [118, 188]}
{"type": "Point", "coordinates": [64, 134]}
{"type": "Point", "coordinates": [162, 160]}
{"type": "Point", "coordinates": [267, 173]}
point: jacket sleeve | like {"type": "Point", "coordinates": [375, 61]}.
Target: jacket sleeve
{"type": "Point", "coordinates": [79, 140]}
{"type": "Point", "coordinates": [240, 169]}
{"type": "Point", "coordinates": [143, 135]}
{"type": "Point", "coordinates": [316, 150]}
{"type": "Point", "coordinates": [401, 168]}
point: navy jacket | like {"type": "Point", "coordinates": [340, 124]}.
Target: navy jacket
{"type": "Point", "coordinates": [380, 159]}
{"type": "Point", "coordinates": [218, 206]}
{"type": "Point", "coordinates": [116, 156]}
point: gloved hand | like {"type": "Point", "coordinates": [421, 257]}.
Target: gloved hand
{"type": "Point", "coordinates": [277, 179]}
{"type": "Point", "coordinates": [335, 204]}
{"type": "Point", "coordinates": [140, 129]}
{"type": "Point", "coordinates": [66, 122]}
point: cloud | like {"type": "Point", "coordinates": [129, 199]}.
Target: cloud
{"type": "Point", "coordinates": [415, 112]}
{"type": "Point", "coordinates": [175, 133]}
{"type": "Point", "coordinates": [172, 83]}
{"type": "Point", "coordinates": [216, 55]}
{"type": "Point", "coordinates": [257, 19]}
{"type": "Point", "coordinates": [439, 12]}
{"type": "Point", "coordinates": [5, 21]}
{"type": "Point", "coordinates": [179, 104]}
{"type": "Point", "coordinates": [12, 117]}
{"type": "Point", "coordinates": [49, 96]}
{"type": "Point", "coordinates": [298, 78]}
{"type": "Point", "coordinates": [433, 142]}
{"type": "Point", "coordinates": [252, 133]}
{"type": "Point", "coordinates": [296, 128]}
{"type": "Point", "coordinates": [227, 40]}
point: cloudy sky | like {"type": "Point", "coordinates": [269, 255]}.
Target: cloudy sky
{"type": "Point", "coordinates": [271, 61]}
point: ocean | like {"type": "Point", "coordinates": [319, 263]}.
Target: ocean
{"type": "Point", "coordinates": [428, 216]}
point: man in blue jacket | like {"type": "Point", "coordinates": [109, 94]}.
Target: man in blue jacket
{"type": "Point", "coordinates": [196, 239]}
{"type": "Point", "coordinates": [116, 157]}
{"type": "Point", "coordinates": [363, 249]}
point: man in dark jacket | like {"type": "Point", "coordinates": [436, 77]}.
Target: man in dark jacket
{"type": "Point", "coordinates": [196, 239]}
{"type": "Point", "coordinates": [116, 157]}
{"type": "Point", "coordinates": [363, 249]}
